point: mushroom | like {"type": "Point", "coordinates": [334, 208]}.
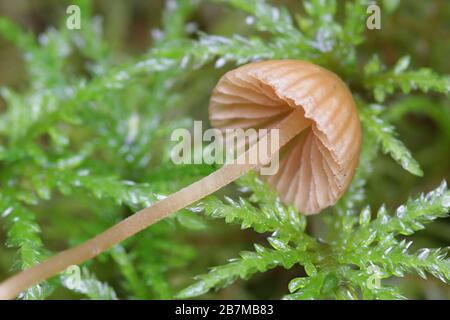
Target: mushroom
{"type": "Point", "coordinates": [319, 142]}
{"type": "Point", "coordinates": [319, 163]}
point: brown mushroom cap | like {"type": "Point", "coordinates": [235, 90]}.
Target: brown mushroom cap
{"type": "Point", "coordinates": [317, 166]}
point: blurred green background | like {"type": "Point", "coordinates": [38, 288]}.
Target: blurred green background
{"type": "Point", "coordinates": [418, 28]}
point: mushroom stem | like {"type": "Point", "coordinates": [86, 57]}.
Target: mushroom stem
{"type": "Point", "coordinates": [289, 127]}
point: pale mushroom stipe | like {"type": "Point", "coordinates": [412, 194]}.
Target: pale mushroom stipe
{"type": "Point", "coordinates": [319, 145]}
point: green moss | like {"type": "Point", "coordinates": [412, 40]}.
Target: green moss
{"type": "Point", "coordinates": [85, 142]}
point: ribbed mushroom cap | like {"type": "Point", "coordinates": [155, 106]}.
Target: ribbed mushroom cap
{"type": "Point", "coordinates": [317, 166]}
